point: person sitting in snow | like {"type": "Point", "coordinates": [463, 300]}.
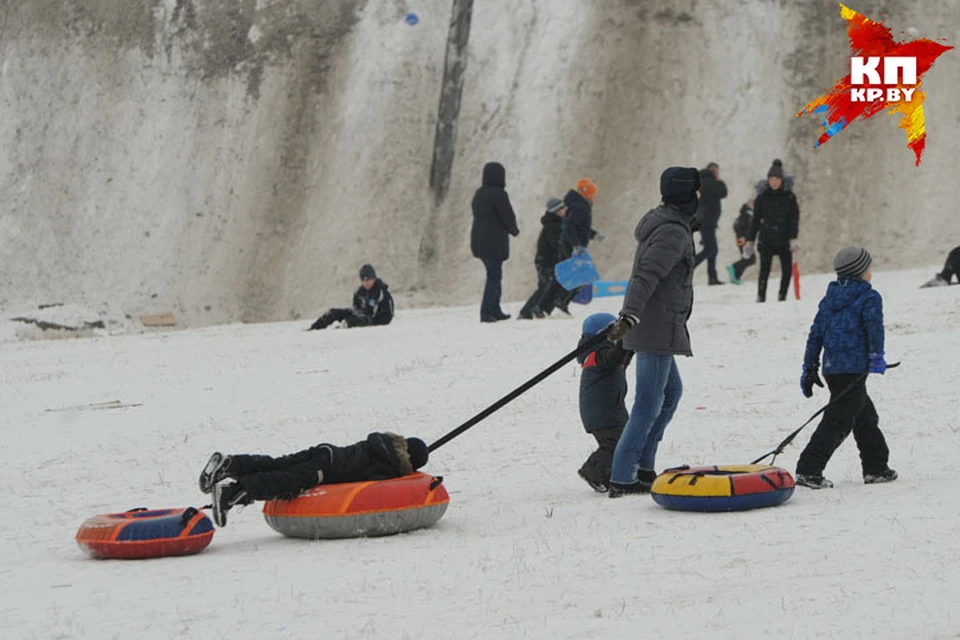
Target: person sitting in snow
{"type": "Point", "coordinates": [951, 268]}
{"type": "Point", "coordinates": [372, 304]}
{"type": "Point", "coordinates": [603, 394]}
{"type": "Point", "coordinates": [262, 477]}
{"type": "Point", "coordinates": [848, 328]}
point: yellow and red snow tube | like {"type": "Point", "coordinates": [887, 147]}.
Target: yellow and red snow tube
{"type": "Point", "coordinates": [355, 509]}
{"type": "Point", "coordinates": [731, 487]}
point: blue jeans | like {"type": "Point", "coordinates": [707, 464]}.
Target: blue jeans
{"type": "Point", "coordinates": [490, 305]}
{"type": "Point", "coordinates": [658, 391]}
{"type": "Point", "coordinates": [708, 238]}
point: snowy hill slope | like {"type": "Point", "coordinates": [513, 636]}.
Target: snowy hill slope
{"type": "Point", "coordinates": [526, 549]}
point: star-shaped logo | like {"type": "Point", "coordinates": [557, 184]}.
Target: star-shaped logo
{"type": "Point", "coordinates": [864, 93]}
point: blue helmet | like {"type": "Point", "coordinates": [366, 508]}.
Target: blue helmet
{"type": "Point", "coordinates": [594, 324]}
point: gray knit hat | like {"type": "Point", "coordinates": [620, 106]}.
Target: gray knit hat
{"type": "Point", "coordinates": [852, 262]}
{"type": "Point", "coordinates": [554, 205]}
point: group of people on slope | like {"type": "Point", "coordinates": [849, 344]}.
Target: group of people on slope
{"type": "Point", "coordinates": [768, 224]}
{"type": "Point", "coordinates": [566, 230]}
{"type": "Point", "coordinates": [652, 329]}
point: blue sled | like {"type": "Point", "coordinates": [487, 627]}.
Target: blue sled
{"type": "Point", "coordinates": [606, 288]}
{"type": "Point", "coordinates": [576, 271]}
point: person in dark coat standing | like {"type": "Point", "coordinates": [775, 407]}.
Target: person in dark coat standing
{"type": "Point", "coordinates": [372, 304]}
{"type": "Point", "coordinates": [603, 394]}
{"type": "Point", "coordinates": [546, 259]}
{"type": "Point", "coordinates": [848, 328]}
{"type": "Point", "coordinates": [653, 324]}
{"type": "Point", "coordinates": [493, 223]}
{"type": "Point", "coordinates": [262, 477]}
{"type": "Point", "coordinates": [712, 191]}
{"type": "Point", "coordinates": [776, 219]}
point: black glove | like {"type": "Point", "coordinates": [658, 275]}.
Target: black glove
{"type": "Point", "coordinates": [695, 224]}
{"type": "Point", "coordinates": [620, 327]}
{"type": "Point", "coordinates": [809, 378]}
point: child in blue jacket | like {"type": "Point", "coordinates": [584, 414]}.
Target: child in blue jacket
{"type": "Point", "coordinates": [603, 394]}
{"type": "Point", "coordinates": [849, 329]}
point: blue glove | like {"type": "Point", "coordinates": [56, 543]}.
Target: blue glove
{"type": "Point", "coordinates": [877, 363]}
{"type": "Point", "coordinates": [579, 251]}
{"type": "Point", "coordinates": [809, 378]}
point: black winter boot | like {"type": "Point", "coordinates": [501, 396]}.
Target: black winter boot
{"type": "Point", "coordinates": [888, 475]}
{"type": "Point", "coordinates": [618, 490]}
{"type": "Point", "coordinates": [217, 468]}
{"type": "Point", "coordinates": [225, 497]}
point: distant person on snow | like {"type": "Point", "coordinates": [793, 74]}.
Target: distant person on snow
{"type": "Point", "coordinates": [951, 269]}
{"type": "Point", "coordinates": [372, 304]}
{"type": "Point", "coordinates": [493, 223]}
{"type": "Point", "coordinates": [848, 329]}
{"type": "Point", "coordinates": [546, 259]}
{"type": "Point", "coordinates": [741, 228]}
{"type": "Point", "coordinates": [576, 233]}
{"type": "Point", "coordinates": [603, 394]}
{"type": "Point", "coordinates": [776, 219]}
{"type": "Point", "coordinates": [653, 324]}
{"type": "Point", "coordinates": [262, 477]}
{"type": "Point", "coordinates": [712, 191]}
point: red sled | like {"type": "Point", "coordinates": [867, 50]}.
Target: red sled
{"type": "Point", "coordinates": [796, 280]}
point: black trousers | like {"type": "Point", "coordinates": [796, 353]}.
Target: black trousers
{"type": "Point", "coordinates": [741, 265]}
{"type": "Point", "coordinates": [555, 294]}
{"type": "Point", "coordinates": [267, 478]}
{"type": "Point", "coordinates": [708, 239]}
{"type": "Point", "coordinates": [853, 412]}
{"type": "Point", "coordinates": [544, 278]}
{"type": "Point", "coordinates": [786, 269]}
{"type": "Point", "coordinates": [350, 316]}
{"type": "Point", "coordinates": [600, 461]}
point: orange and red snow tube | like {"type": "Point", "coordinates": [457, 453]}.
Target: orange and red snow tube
{"type": "Point", "coordinates": [354, 509]}
{"type": "Point", "coordinates": [141, 533]}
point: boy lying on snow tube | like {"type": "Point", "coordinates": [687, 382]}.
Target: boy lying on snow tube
{"type": "Point", "coordinates": [262, 477]}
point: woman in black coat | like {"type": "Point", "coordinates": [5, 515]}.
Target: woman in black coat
{"type": "Point", "coordinates": [776, 221]}
{"type": "Point", "coordinates": [493, 222]}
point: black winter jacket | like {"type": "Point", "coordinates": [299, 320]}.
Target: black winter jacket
{"type": "Point", "coordinates": [376, 304]}
{"type": "Point", "coordinates": [712, 191]}
{"type": "Point", "coordinates": [578, 221]}
{"type": "Point", "coordinates": [380, 456]}
{"type": "Point", "coordinates": [776, 219]}
{"type": "Point", "coordinates": [741, 226]}
{"type": "Point", "coordinates": [493, 217]}
{"type": "Point", "coordinates": [603, 386]}
{"type": "Point", "coordinates": [547, 256]}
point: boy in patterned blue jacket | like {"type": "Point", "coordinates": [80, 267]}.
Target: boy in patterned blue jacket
{"type": "Point", "coordinates": [603, 394]}
{"type": "Point", "coordinates": [849, 329]}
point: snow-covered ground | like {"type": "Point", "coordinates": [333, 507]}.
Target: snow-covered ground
{"type": "Point", "coordinates": [526, 549]}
